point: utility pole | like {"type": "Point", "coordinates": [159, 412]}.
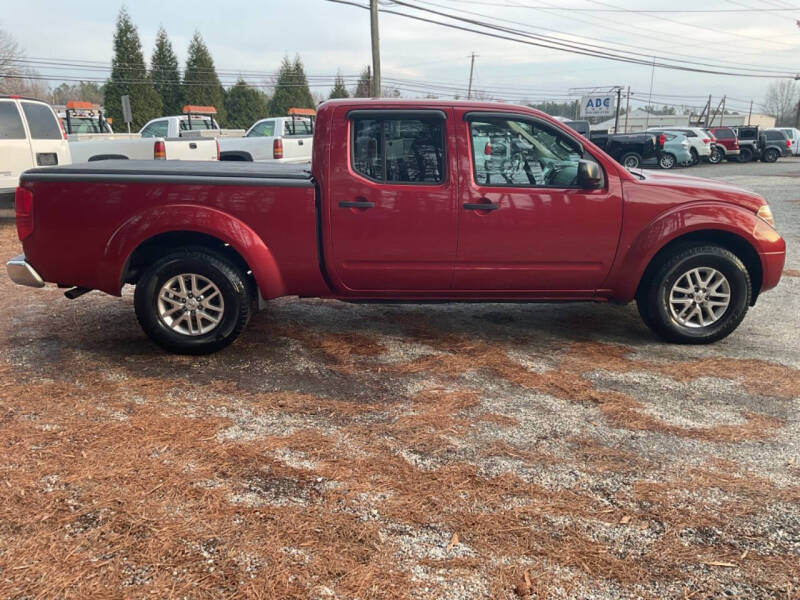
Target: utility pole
{"type": "Point", "coordinates": [707, 110]}
{"type": "Point", "coordinates": [471, 69]}
{"type": "Point", "coordinates": [627, 108]}
{"type": "Point", "coordinates": [376, 49]}
{"type": "Point", "coordinates": [750, 112]}
{"type": "Point", "coordinates": [722, 114]}
{"type": "Point", "coordinates": [797, 116]}
{"type": "Point", "coordinates": [616, 114]}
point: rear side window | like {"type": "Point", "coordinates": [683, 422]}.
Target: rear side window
{"type": "Point", "coordinates": [724, 134]}
{"type": "Point", "coordinates": [297, 127]}
{"type": "Point", "coordinates": [41, 121]}
{"type": "Point", "coordinates": [263, 129]}
{"type": "Point", "coordinates": [10, 122]}
{"type": "Point", "coordinates": [775, 135]}
{"type": "Point", "coordinates": [156, 129]}
{"type": "Point", "coordinates": [398, 150]}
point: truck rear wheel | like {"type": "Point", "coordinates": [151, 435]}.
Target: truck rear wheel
{"type": "Point", "coordinates": [745, 155]}
{"type": "Point", "coordinates": [697, 296]}
{"type": "Point", "coordinates": [631, 160]}
{"type": "Point", "coordinates": [770, 155]}
{"type": "Point", "coordinates": [667, 160]}
{"type": "Point", "coordinates": [193, 301]}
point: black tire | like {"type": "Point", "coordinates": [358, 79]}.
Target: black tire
{"type": "Point", "coordinates": [631, 160]}
{"type": "Point", "coordinates": [770, 155]}
{"type": "Point", "coordinates": [745, 155]}
{"type": "Point", "coordinates": [234, 287]}
{"type": "Point", "coordinates": [667, 160]}
{"type": "Point", "coordinates": [653, 297]}
{"type": "Point", "coordinates": [716, 156]}
{"type": "Point", "coordinates": [695, 156]}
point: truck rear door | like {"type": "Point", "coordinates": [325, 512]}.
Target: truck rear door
{"type": "Point", "coordinates": [15, 150]}
{"type": "Point", "coordinates": [48, 146]}
{"type": "Point", "coordinates": [391, 201]}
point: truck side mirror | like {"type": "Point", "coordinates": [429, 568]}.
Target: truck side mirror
{"type": "Point", "coordinates": [590, 175]}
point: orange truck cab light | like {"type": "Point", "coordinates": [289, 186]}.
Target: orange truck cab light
{"type": "Point", "coordinates": [302, 112]}
{"type": "Point", "coordinates": [199, 110]}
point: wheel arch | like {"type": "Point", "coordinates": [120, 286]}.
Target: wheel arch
{"type": "Point", "coordinates": [147, 236]}
{"type": "Point", "coordinates": [733, 242]}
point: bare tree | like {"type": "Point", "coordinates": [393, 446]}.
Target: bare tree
{"type": "Point", "coordinates": [15, 77]}
{"type": "Point", "coordinates": [781, 101]}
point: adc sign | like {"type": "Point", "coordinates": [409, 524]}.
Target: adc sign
{"type": "Point", "coordinates": [598, 106]}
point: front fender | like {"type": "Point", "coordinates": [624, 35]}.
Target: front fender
{"type": "Point", "coordinates": [633, 259]}
{"type": "Point", "coordinates": [191, 218]}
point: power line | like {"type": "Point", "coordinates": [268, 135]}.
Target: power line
{"type": "Point", "coordinates": [639, 10]}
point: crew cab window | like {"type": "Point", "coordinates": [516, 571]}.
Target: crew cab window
{"type": "Point", "coordinates": [297, 127]}
{"type": "Point", "coordinates": [41, 121]}
{"type": "Point", "coordinates": [507, 152]}
{"type": "Point", "coordinates": [262, 129]}
{"type": "Point", "coordinates": [399, 150]}
{"type": "Point", "coordinates": [156, 129]}
{"type": "Point", "coordinates": [196, 123]}
{"type": "Point", "coordinates": [10, 122]}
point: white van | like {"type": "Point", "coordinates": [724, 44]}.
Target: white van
{"type": "Point", "coordinates": [30, 136]}
{"type": "Point", "coordinates": [794, 136]}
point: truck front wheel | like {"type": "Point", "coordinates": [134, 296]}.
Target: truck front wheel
{"type": "Point", "coordinates": [697, 296]}
{"type": "Point", "coordinates": [193, 301]}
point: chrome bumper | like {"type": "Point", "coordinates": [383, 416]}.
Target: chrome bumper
{"type": "Point", "coordinates": [22, 273]}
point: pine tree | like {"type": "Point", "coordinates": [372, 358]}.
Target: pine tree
{"type": "Point", "coordinates": [245, 105]}
{"type": "Point", "coordinates": [364, 85]}
{"type": "Point", "coordinates": [201, 85]}
{"type": "Point", "coordinates": [164, 74]}
{"type": "Point", "coordinates": [338, 91]}
{"type": "Point", "coordinates": [291, 88]}
{"type": "Point", "coordinates": [129, 77]}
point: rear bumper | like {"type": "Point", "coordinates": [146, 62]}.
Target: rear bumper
{"type": "Point", "coordinates": [22, 273]}
{"type": "Point", "coordinates": [7, 202]}
{"type": "Point", "coordinates": [732, 152]}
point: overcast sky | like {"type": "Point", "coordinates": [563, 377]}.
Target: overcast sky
{"type": "Point", "coordinates": [252, 37]}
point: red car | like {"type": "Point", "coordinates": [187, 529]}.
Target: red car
{"type": "Point", "coordinates": [404, 201]}
{"type": "Point", "coordinates": [727, 141]}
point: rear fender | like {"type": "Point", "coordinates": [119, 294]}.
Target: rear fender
{"type": "Point", "coordinates": [680, 221]}
{"type": "Point", "coordinates": [192, 218]}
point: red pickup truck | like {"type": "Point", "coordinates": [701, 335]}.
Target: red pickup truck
{"type": "Point", "coordinates": [404, 201]}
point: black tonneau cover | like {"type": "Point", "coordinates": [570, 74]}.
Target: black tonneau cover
{"type": "Point", "coordinates": [177, 171]}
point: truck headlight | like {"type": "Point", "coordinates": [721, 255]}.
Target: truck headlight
{"type": "Point", "coordinates": [765, 213]}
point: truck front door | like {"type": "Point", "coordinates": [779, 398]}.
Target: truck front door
{"type": "Point", "coordinates": [524, 223]}
{"type": "Point", "coordinates": [391, 201]}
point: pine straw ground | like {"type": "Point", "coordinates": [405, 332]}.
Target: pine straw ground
{"type": "Point", "coordinates": [345, 451]}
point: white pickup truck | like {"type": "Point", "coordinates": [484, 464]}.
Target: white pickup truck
{"type": "Point", "coordinates": [190, 136]}
{"type": "Point", "coordinates": [279, 139]}
{"type": "Point", "coordinates": [30, 136]}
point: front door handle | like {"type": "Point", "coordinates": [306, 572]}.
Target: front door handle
{"type": "Point", "coordinates": [481, 206]}
{"type": "Point", "coordinates": [359, 204]}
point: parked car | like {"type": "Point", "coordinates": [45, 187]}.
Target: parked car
{"type": "Point", "coordinates": [190, 136]}
{"type": "Point", "coordinates": [774, 143]}
{"type": "Point", "coordinates": [728, 142]}
{"type": "Point", "coordinates": [405, 201]}
{"type": "Point", "coordinates": [30, 136]}
{"type": "Point", "coordinates": [748, 136]}
{"type": "Point", "coordinates": [794, 136]}
{"type": "Point", "coordinates": [699, 141]}
{"type": "Point", "coordinates": [677, 150]}
{"type": "Point", "coordinates": [631, 150]}
{"type": "Point", "coordinates": [282, 139]}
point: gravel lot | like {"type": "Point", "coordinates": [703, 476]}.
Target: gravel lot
{"type": "Point", "coordinates": [445, 451]}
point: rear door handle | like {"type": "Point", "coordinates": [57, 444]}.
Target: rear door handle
{"type": "Point", "coordinates": [359, 204]}
{"type": "Point", "coordinates": [481, 206]}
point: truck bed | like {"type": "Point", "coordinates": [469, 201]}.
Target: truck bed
{"type": "Point", "coordinates": [184, 172]}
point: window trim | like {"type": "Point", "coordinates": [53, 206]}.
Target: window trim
{"type": "Point", "coordinates": [471, 116]}
{"type": "Point", "coordinates": [395, 115]}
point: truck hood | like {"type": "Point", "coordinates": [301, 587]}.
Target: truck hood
{"type": "Point", "coordinates": [695, 189]}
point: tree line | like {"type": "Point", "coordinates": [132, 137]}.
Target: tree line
{"type": "Point", "coordinates": [161, 89]}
